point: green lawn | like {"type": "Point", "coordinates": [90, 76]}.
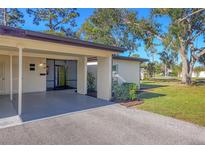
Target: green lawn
{"type": "Point", "coordinates": [175, 100]}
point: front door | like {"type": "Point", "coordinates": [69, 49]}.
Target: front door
{"type": "Point", "coordinates": [60, 77]}
{"type": "Point", "coordinates": [2, 78]}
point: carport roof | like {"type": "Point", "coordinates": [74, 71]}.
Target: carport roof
{"type": "Point", "coordinates": [121, 58]}
{"type": "Point", "coordinates": [130, 58]}
{"type": "Point", "coordinates": [28, 34]}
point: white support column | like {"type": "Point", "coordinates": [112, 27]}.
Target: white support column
{"type": "Point", "coordinates": [104, 78]}
{"type": "Point", "coordinates": [11, 77]}
{"type": "Point", "coordinates": [20, 82]}
{"type": "Point", "coordinates": [82, 75]}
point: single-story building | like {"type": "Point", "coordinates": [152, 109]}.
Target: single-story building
{"type": "Point", "coordinates": [124, 69]}
{"type": "Point", "coordinates": [200, 74]}
{"type": "Point", "coordinates": [36, 62]}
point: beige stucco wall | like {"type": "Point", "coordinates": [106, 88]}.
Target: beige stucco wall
{"type": "Point", "coordinates": [5, 61]}
{"type": "Point", "coordinates": [104, 78]}
{"type": "Point", "coordinates": [82, 75]}
{"type": "Point", "coordinates": [32, 80]}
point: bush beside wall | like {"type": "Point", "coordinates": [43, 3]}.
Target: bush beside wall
{"type": "Point", "coordinates": [91, 82]}
{"type": "Point", "coordinates": [125, 91]}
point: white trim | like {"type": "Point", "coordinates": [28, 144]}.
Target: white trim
{"type": "Point", "coordinates": [20, 82]}
{"type": "Point", "coordinates": [11, 77]}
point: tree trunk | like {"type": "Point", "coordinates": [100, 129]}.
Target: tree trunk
{"type": "Point", "coordinates": [5, 17]}
{"type": "Point", "coordinates": [165, 70]}
{"type": "Point", "coordinates": [187, 70]}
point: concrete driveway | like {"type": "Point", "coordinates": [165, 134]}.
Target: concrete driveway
{"type": "Point", "coordinates": [112, 124]}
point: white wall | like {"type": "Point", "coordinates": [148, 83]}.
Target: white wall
{"type": "Point", "coordinates": [32, 80]}
{"type": "Point", "coordinates": [128, 71]}
{"type": "Point", "coordinates": [202, 74]}
{"type": "Point", "coordinates": [199, 75]}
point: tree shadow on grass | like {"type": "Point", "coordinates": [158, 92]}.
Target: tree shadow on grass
{"type": "Point", "coordinates": [148, 95]}
{"type": "Point", "coordinates": [145, 86]}
{"type": "Point", "coordinates": [199, 82]}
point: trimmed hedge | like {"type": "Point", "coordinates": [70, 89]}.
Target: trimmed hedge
{"type": "Point", "coordinates": [125, 91]}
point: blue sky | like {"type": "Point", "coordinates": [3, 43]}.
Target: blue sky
{"type": "Point", "coordinates": [85, 13]}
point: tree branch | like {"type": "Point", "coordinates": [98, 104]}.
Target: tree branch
{"type": "Point", "coordinates": [202, 52]}
{"type": "Point", "coordinates": [179, 20]}
{"type": "Point", "coordinates": [146, 30]}
{"type": "Point", "coordinates": [197, 34]}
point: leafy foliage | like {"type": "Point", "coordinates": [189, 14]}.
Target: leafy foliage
{"type": "Point", "coordinates": [135, 55]}
{"type": "Point", "coordinates": [11, 17]}
{"type": "Point", "coordinates": [91, 82]}
{"type": "Point", "coordinates": [167, 59]}
{"type": "Point", "coordinates": [108, 26]}
{"type": "Point", "coordinates": [202, 60]}
{"type": "Point", "coordinates": [176, 70]}
{"type": "Point", "coordinates": [125, 91]}
{"type": "Point", "coordinates": [58, 20]}
{"type": "Point", "coordinates": [150, 68]}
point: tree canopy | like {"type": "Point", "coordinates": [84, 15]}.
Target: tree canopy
{"type": "Point", "coordinates": [108, 26]}
{"type": "Point", "coordinates": [11, 17]}
{"type": "Point", "coordinates": [59, 21]}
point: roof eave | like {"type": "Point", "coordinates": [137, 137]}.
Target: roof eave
{"type": "Point", "coordinates": [16, 32]}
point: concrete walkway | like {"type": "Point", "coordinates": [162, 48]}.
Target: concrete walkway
{"type": "Point", "coordinates": [112, 124]}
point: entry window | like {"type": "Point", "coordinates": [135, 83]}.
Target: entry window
{"type": "Point", "coordinates": [32, 67]}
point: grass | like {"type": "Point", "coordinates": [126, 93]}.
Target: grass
{"type": "Point", "coordinates": [175, 100]}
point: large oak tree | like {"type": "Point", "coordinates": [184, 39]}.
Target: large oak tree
{"type": "Point", "coordinates": [186, 26]}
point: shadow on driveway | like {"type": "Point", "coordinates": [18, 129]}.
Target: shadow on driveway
{"type": "Point", "coordinates": [53, 103]}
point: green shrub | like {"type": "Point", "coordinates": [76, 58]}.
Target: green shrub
{"type": "Point", "coordinates": [91, 82]}
{"type": "Point", "coordinates": [125, 91]}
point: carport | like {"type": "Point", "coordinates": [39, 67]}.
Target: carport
{"type": "Point", "coordinates": [41, 105]}
{"type": "Point", "coordinates": [23, 56]}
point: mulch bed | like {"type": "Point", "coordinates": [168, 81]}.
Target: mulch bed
{"type": "Point", "coordinates": [131, 103]}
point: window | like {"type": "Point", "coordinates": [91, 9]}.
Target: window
{"type": "Point", "coordinates": [115, 69]}
{"type": "Point", "coordinates": [32, 67]}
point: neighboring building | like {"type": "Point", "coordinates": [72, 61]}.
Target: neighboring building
{"type": "Point", "coordinates": [199, 75]}
{"type": "Point", "coordinates": [124, 69]}
{"type": "Point", "coordinates": [196, 75]}
{"type": "Point", "coordinates": [35, 62]}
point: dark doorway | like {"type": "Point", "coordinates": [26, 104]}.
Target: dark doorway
{"type": "Point", "coordinates": [60, 77]}
{"type": "Point", "coordinates": [61, 74]}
